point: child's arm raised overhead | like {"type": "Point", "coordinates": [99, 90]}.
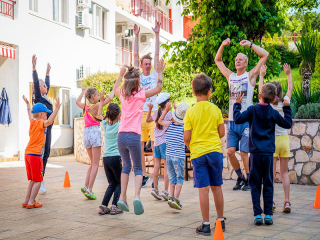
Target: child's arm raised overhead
{"type": "Point", "coordinates": [149, 117]}
{"type": "Point", "coordinates": [108, 99]}
{"type": "Point", "coordinates": [101, 104]}
{"type": "Point", "coordinates": [161, 120]}
{"type": "Point", "coordinates": [50, 120]}
{"type": "Point", "coordinates": [158, 88]}
{"type": "Point", "coordinates": [47, 80]}
{"type": "Point", "coordinates": [36, 83]}
{"type": "Point", "coordinates": [78, 102]}
{"type": "Point", "coordinates": [287, 71]}
{"type": "Point", "coordinates": [263, 72]}
{"type": "Point", "coordinates": [28, 107]}
{"type": "Point", "coordinates": [237, 116]}
{"type": "Point", "coordinates": [116, 88]}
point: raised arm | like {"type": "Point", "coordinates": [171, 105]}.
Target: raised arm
{"type": "Point", "coordinates": [158, 88]}
{"type": "Point", "coordinates": [156, 30]}
{"type": "Point", "coordinates": [149, 117]}
{"type": "Point", "coordinates": [116, 88]}
{"type": "Point", "coordinates": [101, 104]}
{"type": "Point", "coordinates": [108, 99]}
{"type": "Point", "coordinates": [78, 102]}
{"type": "Point", "coordinates": [47, 80]}
{"type": "Point", "coordinates": [36, 83]}
{"type": "Point", "coordinates": [287, 71]}
{"type": "Point", "coordinates": [218, 59]}
{"type": "Point", "coordinates": [28, 107]}
{"type": "Point", "coordinates": [136, 30]}
{"type": "Point", "coordinates": [50, 120]}
{"type": "Point", "coordinates": [161, 120]}
{"type": "Point", "coordinates": [263, 72]}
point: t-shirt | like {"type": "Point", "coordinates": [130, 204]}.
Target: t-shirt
{"type": "Point", "coordinates": [147, 83]}
{"type": "Point", "coordinates": [240, 84]}
{"type": "Point", "coordinates": [132, 111]}
{"type": "Point", "coordinates": [159, 135]}
{"type": "Point", "coordinates": [203, 119]}
{"type": "Point", "coordinates": [280, 130]}
{"type": "Point", "coordinates": [37, 133]}
{"type": "Point", "coordinates": [174, 140]}
{"type": "Point", "coordinates": [110, 147]}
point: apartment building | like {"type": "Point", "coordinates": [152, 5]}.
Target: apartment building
{"type": "Point", "coordinates": [78, 38]}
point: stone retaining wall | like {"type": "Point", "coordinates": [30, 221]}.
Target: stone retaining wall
{"type": "Point", "coordinates": [304, 163]}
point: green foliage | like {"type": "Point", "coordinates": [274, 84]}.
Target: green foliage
{"type": "Point", "coordinates": [317, 63]}
{"type": "Point", "coordinates": [307, 50]}
{"type": "Point", "coordinates": [290, 57]}
{"type": "Point", "coordinates": [308, 111]}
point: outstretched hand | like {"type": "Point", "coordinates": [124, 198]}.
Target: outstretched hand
{"type": "Point", "coordinates": [34, 61]}
{"type": "Point", "coordinates": [25, 100]}
{"type": "Point", "coordinates": [150, 105]}
{"type": "Point", "coordinates": [168, 106]}
{"type": "Point", "coordinates": [285, 103]}
{"type": "Point", "coordinates": [263, 71]}
{"type": "Point", "coordinates": [226, 42]}
{"type": "Point", "coordinates": [48, 69]}
{"type": "Point", "coordinates": [157, 27]}
{"type": "Point", "coordinates": [245, 43]}
{"type": "Point", "coordinates": [84, 89]}
{"type": "Point", "coordinates": [136, 29]}
{"type": "Point", "coordinates": [102, 97]}
{"type": "Point", "coordinates": [239, 97]}
{"type": "Point", "coordinates": [58, 104]}
{"type": "Point", "coordinates": [287, 69]}
{"type": "Point", "coordinates": [123, 71]}
{"type": "Point", "coordinates": [161, 65]}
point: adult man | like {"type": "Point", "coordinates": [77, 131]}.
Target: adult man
{"type": "Point", "coordinates": [243, 82]}
{"type": "Point", "coordinates": [148, 80]}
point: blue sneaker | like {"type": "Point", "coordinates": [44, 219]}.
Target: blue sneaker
{"type": "Point", "coordinates": [268, 220]}
{"type": "Point", "coordinates": [138, 207]}
{"type": "Point", "coordinates": [258, 220]}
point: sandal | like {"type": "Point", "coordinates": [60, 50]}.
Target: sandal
{"type": "Point", "coordinates": [286, 207]}
{"type": "Point", "coordinates": [104, 210]}
{"type": "Point", "coordinates": [35, 205]}
{"type": "Point", "coordinates": [115, 210]}
{"type": "Point", "coordinates": [123, 206]}
{"type": "Point", "coordinates": [24, 204]}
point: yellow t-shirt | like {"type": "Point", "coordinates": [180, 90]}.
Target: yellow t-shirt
{"type": "Point", "coordinates": [203, 119]}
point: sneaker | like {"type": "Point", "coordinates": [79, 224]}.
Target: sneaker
{"type": "Point", "coordinates": [273, 207]}
{"type": "Point", "coordinates": [204, 229]}
{"type": "Point", "coordinates": [165, 195]}
{"type": "Point", "coordinates": [223, 225]}
{"type": "Point", "coordinates": [268, 220]}
{"type": "Point", "coordinates": [84, 189]}
{"type": "Point", "coordinates": [90, 196]}
{"type": "Point", "coordinates": [43, 187]}
{"type": "Point", "coordinates": [155, 193]}
{"type": "Point", "coordinates": [286, 207]}
{"type": "Point", "coordinates": [145, 180]}
{"type": "Point", "coordinates": [176, 204]}
{"type": "Point", "coordinates": [246, 186]}
{"type": "Point", "coordinates": [170, 202]}
{"type": "Point", "coordinates": [115, 210]}
{"type": "Point", "coordinates": [239, 184]}
{"type": "Point", "coordinates": [258, 220]}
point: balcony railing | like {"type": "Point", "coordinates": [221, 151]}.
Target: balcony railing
{"type": "Point", "coordinates": [145, 10]}
{"type": "Point", "coordinates": [123, 56]}
{"type": "Point", "coordinates": [7, 8]}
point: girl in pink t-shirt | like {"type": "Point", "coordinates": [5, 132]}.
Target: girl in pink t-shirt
{"type": "Point", "coordinates": [132, 98]}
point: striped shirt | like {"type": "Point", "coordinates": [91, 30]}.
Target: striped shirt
{"type": "Point", "coordinates": [174, 139]}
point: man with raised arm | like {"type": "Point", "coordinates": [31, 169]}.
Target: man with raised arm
{"type": "Point", "coordinates": [148, 80]}
{"type": "Point", "coordinates": [243, 82]}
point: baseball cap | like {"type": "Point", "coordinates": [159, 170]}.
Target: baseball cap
{"type": "Point", "coordinates": [162, 97]}
{"type": "Point", "coordinates": [40, 107]}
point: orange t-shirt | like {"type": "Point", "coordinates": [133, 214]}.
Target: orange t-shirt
{"type": "Point", "coordinates": [37, 137]}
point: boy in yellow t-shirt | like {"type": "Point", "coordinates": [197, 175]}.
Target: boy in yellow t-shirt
{"type": "Point", "coordinates": [203, 128]}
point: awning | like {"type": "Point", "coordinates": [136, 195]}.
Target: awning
{"type": "Point", "coordinates": [7, 51]}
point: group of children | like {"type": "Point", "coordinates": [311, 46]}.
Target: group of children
{"type": "Point", "coordinates": [199, 127]}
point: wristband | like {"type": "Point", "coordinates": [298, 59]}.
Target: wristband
{"type": "Point", "coordinates": [251, 45]}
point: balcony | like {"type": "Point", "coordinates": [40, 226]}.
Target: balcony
{"type": "Point", "coordinates": [124, 56]}
{"type": "Point", "coordinates": [7, 8]}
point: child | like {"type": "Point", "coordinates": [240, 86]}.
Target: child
{"type": "Point", "coordinates": [262, 119]}
{"type": "Point", "coordinates": [203, 128]}
{"type": "Point", "coordinates": [282, 138]}
{"type": "Point", "coordinates": [160, 144]}
{"type": "Point", "coordinates": [37, 132]}
{"type": "Point", "coordinates": [40, 89]}
{"type": "Point", "coordinates": [132, 98]}
{"type": "Point", "coordinates": [175, 151]}
{"type": "Point", "coordinates": [91, 135]}
{"type": "Point", "coordinates": [111, 156]}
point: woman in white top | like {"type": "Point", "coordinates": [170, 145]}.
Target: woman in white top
{"type": "Point", "coordinates": [282, 138]}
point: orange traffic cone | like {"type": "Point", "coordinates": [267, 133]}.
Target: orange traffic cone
{"type": "Point", "coordinates": [317, 200]}
{"type": "Point", "coordinates": [218, 233]}
{"type": "Point", "coordinates": [66, 180]}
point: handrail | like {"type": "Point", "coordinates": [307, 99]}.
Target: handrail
{"type": "Point", "coordinates": [124, 56]}
{"type": "Point", "coordinates": [7, 9]}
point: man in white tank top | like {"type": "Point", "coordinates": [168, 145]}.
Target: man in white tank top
{"type": "Point", "coordinates": [243, 82]}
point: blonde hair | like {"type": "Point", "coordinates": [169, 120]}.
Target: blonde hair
{"type": "Point", "coordinates": [131, 82]}
{"type": "Point", "coordinates": [147, 56]}
{"type": "Point", "coordinates": [89, 93]}
{"type": "Point", "coordinates": [245, 56]}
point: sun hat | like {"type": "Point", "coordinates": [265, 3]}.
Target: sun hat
{"type": "Point", "coordinates": [40, 107]}
{"type": "Point", "coordinates": [180, 112]}
{"type": "Point", "coordinates": [162, 98]}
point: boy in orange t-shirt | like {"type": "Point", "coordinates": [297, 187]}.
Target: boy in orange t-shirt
{"type": "Point", "coordinates": [37, 132]}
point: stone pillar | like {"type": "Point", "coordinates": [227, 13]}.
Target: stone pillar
{"type": "Point", "coordinates": [177, 20]}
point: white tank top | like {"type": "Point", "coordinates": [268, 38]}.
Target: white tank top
{"type": "Point", "coordinates": [280, 130]}
{"type": "Point", "coordinates": [240, 84]}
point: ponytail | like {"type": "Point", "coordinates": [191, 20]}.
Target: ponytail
{"type": "Point", "coordinates": [159, 112]}
{"type": "Point", "coordinates": [279, 93]}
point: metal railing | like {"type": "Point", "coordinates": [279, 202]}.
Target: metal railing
{"type": "Point", "coordinates": [7, 8]}
{"type": "Point", "coordinates": [145, 10]}
{"type": "Point", "coordinates": [124, 56]}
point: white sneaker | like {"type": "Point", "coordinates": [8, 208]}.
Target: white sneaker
{"type": "Point", "coordinates": [165, 195]}
{"type": "Point", "coordinates": [155, 193]}
{"type": "Point", "coordinates": [43, 187]}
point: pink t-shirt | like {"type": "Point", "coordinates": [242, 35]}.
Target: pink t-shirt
{"type": "Point", "coordinates": [159, 135]}
{"type": "Point", "coordinates": [132, 111]}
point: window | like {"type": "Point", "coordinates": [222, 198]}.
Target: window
{"type": "Point", "coordinates": [99, 21]}
{"type": "Point", "coordinates": [65, 106]}
{"type": "Point", "coordinates": [33, 5]}
{"type": "Point", "coordinates": [61, 11]}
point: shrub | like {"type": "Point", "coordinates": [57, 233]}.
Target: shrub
{"type": "Point", "coordinates": [309, 111]}
{"type": "Point", "coordinates": [290, 57]}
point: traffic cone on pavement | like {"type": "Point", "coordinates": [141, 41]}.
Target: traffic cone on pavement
{"type": "Point", "coordinates": [66, 180]}
{"type": "Point", "coordinates": [317, 199]}
{"type": "Point", "coordinates": [218, 233]}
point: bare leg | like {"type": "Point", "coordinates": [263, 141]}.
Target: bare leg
{"type": "Point", "coordinates": [275, 159]}
{"type": "Point", "coordinates": [172, 188]}
{"type": "Point", "coordinates": [204, 203]}
{"type": "Point", "coordinates": [166, 178]}
{"type": "Point", "coordinates": [30, 186]}
{"type": "Point", "coordinates": [34, 192]}
{"type": "Point", "coordinates": [86, 183]}
{"type": "Point", "coordinates": [144, 171]}
{"type": "Point", "coordinates": [245, 159]}
{"type": "Point", "coordinates": [178, 190]}
{"type": "Point", "coordinates": [231, 152]}
{"type": "Point", "coordinates": [157, 163]}
{"type": "Point", "coordinates": [218, 200]}
{"type": "Point", "coordinates": [96, 151]}
{"type": "Point", "coordinates": [285, 177]}
{"type": "Point", "coordinates": [137, 185]}
{"type": "Point", "coordinates": [124, 185]}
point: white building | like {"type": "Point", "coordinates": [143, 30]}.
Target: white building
{"type": "Point", "coordinates": [77, 37]}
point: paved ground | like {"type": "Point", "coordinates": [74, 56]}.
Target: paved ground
{"type": "Point", "coordinates": [67, 214]}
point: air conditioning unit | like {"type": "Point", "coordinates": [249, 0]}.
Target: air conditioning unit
{"type": "Point", "coordinates": [146, 38]}
{"type": "Point", "coordinates": [84, 20]}
{"type": "Point", "coordinates": [84, 3]}
{"type": "Point", "coordinates": [157, 3]}
{"type": "Point", "coordinates": [121, 28]}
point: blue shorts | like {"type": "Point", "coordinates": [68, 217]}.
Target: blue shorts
{"type": "Point", "coordinates": [236, 133]}
{"type": "Point", "coordinates": [175, 168]}
{"type": "Point", "coordinates": [207, 170]}
{"type": "Point", "coordinates": [160, 151]}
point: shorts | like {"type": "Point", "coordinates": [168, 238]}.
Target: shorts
{"type": "Point", "coordinates": [207, 170]}
{"type": "Point", "coordinates": [175, 168]}
{"type": "Point", "coordinates": [92, 137]}
{"type": "Point", "coordinates": [34, 167]}
{"type": "Point", "coordinates": [147, 128]}
{"type": "Point", "coordinates": [282, 146]}
{"type": "Point", "coordinates": [160, 151]}
{"type": "Point", "coordinates": [236, 133]}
